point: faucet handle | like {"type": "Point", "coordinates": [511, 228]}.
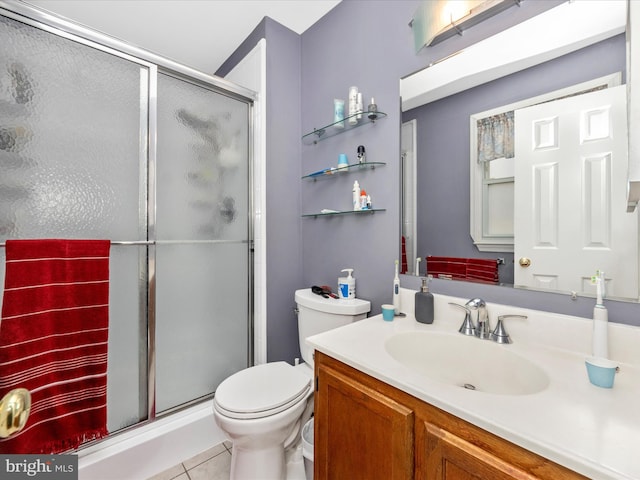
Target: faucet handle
{"type": "Point", "coordinates": [467, 327]}
{"type": "Point", "coordinates": [499, 334]}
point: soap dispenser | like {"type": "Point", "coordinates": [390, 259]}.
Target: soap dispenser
{"type": "Point", "coordinates": [347, 285]}
{"type": "Point", "coordinates": [600, 319]}
{"type": "Point", "coordinates": [424, 303]}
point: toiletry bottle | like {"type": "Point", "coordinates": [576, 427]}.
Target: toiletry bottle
{"type": "Point", "coordinates": [363, 199]}
{"type": "Point", "coordinates": [353, 102]}
{"type": "Point", "coordinates": [356, 195]}
{"type": "Point", "coordinates": [338, 113]}
{"type": "Point", "coordinates": [347, 285]}
{"type": "Point", "coordinates": [368, 202]}
{"type": "Point", "coordinates": [361, 156]}
{"type": "Point", "coordinates": [424, 304]}
{"type": "Point", "coordinates": [372, 110]}
{"type": "Point", "coordinates": [600, 319]}
{"type": "Point", "coordinates": [396, 291]}
{"type": "Point", "coordinates": [359, 106]}
{"type": "Point", "coordinates": [342, 161]}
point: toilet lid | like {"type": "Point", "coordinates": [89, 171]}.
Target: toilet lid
{"type": "Point", "coordinates": [261, 390]}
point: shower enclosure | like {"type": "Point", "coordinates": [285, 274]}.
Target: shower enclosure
{"type": "Point", "coordinates": [102, 140]}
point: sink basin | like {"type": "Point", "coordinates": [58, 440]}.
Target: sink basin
{"type": "Point", "coordinates": [467, 362]}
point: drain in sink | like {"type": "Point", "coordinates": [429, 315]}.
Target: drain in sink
{"type": "Point", "coordinates": [469, 386]}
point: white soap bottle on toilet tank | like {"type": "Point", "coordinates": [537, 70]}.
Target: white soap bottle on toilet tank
{"type": "Point", "coordinates": [347, 285]}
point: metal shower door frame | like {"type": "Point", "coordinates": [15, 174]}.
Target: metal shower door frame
{"type": "Point", "coordinates": [154, 65]}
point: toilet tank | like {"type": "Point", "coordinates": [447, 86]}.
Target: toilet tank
{"type": "Point", "coordinates": [317, 314]}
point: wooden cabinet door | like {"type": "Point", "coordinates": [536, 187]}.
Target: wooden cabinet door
{"type": "Point", "coordinates": [449, 457]}
{"type": "Point", "coordinates": [360, 433]}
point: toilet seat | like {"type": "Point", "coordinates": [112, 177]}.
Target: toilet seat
{"type": "Point", "coordinates": [261, 391]}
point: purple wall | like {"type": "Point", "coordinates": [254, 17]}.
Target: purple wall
{"type": "Point", "coordinates": [351, 45]}
{"type": "Point", "coordinates": [368, 44]}
{"type": "Point", "coordinates": [284, 266]}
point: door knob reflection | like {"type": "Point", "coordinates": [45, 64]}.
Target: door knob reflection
{"type": "Point", "coordinates": [524, 262]}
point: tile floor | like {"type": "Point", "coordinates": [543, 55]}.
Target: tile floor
{"type": "Point", "coordinates": [213, 464]}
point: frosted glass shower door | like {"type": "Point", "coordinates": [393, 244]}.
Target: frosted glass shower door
{"type": "Point", "coordinates": [73, 128]}
{"type": "Point", "coordinates": [202, 241]}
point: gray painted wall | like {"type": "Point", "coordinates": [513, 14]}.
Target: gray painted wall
{"type": "Point", "coordinates": [367, 44]}
{"type": "Point", "coordinates": [351, 46]}
{"type": "Point", "coordinates": [284, 266]}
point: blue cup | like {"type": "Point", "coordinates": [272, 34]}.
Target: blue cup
{"type": "Point", "coordinates": [342, 161]}
{"type": "Point", "coordinates": [388, 312]}
{"type": "Point", "coordinates": [601, 371]}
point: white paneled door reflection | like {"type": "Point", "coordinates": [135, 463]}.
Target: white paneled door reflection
{"type": "Point", "coordinates": [570, 179]}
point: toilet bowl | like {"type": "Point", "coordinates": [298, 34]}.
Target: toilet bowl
{"type": "Point", "coordinates": [259, 409]}
{"type": "Point", "coordinates": [262, 409]}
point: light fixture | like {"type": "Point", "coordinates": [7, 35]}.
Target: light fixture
{"type": "Point", "coordinates": [437, 20]}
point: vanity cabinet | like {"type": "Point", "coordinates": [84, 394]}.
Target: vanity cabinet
{"type": "Point", "coordinates": [360, 432]}
{"type": "Point", "coordinates": [367, 429]}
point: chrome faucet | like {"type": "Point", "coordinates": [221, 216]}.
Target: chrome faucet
{"type": "Point", "coordinates": [483, 329]}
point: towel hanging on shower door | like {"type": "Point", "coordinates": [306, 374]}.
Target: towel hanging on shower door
{"type": "Point", "coordinates": [53, 341]}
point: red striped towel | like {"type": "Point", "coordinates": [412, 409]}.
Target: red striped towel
{"type": "Point", "coordinates": [481, 269]}
{"type": "Point", "coordinates": [404, 266]}
{"type": "Point", "coordinates": [447, 267]}
{"type": "Point", "coordinates": [53, 341]}
{"type": "Point", "coordinates": [472, 269]}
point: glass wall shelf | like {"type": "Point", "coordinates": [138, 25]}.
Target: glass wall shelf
{"type": "Point", "coordinates": [333, 171]}
{"type": "Point", "coordinates": [333, 128]}
{"type": "Point", "coordinates": [334, 213]}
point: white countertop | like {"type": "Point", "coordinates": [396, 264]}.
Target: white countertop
{"type": "Point", "coordinates": [594, 431]}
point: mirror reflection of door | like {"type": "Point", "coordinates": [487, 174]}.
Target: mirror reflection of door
{"type": "Point", "coordinates": [571, 165]}
{"type": "Point", "coordinates": [409, 209]}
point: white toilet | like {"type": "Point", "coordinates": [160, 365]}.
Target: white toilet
{"type": "Point", "coordinates": [262, 409]}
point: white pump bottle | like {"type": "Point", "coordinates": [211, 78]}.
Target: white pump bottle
{"type": "Point", "coordinates": [600, 319]}
{"type": "Point", "coordinates": [347, 285]}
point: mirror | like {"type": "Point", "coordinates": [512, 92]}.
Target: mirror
{"type": "Point", "coordinates": [439, 101]}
